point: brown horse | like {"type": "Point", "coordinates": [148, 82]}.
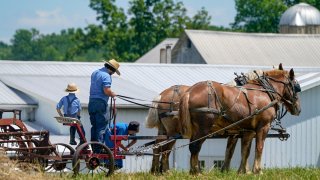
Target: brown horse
{"type": "Point", "coordinates": [209, 106]}
{"type": "Point", "coordinates": [164, 116]}
{"type": "Point", "coordinates": [166, 120]}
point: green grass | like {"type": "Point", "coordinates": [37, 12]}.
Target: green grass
{"type": "Point", "coordinates": [277, 174]}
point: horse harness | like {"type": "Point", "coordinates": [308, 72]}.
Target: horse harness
{"type": "Point", "coordinates": [171, 112]}
{"type": "Point", "coordinates": [267, 87]}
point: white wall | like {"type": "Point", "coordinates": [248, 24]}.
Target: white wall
{"type": "Point", "coordinates": [303, 147]}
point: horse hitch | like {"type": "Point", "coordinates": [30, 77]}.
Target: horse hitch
{"type": "Point", "coordinates": [283, 135]}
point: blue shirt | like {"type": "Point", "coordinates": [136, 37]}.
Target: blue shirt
{"type": "Point", "coordinates": [100, 79]}
{"type": "Point", "coordinates": [75, 105]}
{"type": "Point", "coordinates": [121, 128]}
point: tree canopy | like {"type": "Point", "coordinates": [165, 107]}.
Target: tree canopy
{"type": "Point", "coordinates": [120, 35]}
{"type": "Point", "coordinates": [263, 15]}
{"type": "Point", "coordinates": [128, 35]}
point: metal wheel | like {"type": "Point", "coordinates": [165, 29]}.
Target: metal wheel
{"type": "Point", "coordinates": [63, 151]}
{"type": "Point", "coordinates": [88, 162]}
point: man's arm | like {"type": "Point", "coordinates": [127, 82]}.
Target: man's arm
{"type": "Point", "coordinates": [107, 91]}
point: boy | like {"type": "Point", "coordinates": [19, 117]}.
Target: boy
{"type": "Point", "coordinates": [71, 108]}
{"type": "Point", "coordinates": [122, 129]}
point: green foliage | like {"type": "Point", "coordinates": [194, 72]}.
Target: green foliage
{"type": "Point", "coordinates": [277, 173]}
{"type": "Point", "coordinates": [263, 15]}
{"type": "Point", "coordinates": [258, 16]}
{"type": "Point", "coordinates": [150, 22]}
{"type": "Point", "coordinates": [200, 21]}
{"type": "Point", "coordinates": [5, 50]}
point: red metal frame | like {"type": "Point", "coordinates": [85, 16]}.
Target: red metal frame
{"type": "Point", "coordinates": [115, 138]}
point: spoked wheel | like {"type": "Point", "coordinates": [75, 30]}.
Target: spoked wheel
{"type": "Point", "coordinates": [88, 162]}
{"type": "Point", "coordinates": [65, 152]}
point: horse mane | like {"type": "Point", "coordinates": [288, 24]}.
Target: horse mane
{"type": "Point", "coordinates": [276, 72]}
{"type": "Point", "coordinates": [271, 73]}
{"type": "Point", "coordinates": [251, 75]}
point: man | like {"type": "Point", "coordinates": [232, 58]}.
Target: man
{"type": "Point", "coordinates": [122, 129]}
{"type": "Point", "coordinates": [71, 108]}
{"type": "Point", "coordinates": [100, 91]}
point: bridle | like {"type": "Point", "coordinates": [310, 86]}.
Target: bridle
{"type": "Point", "coordinates": [292, 86]}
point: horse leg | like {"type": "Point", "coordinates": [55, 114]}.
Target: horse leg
{"type": "Point", "coordinates": [155, 166]}
{"type": "Point", "coordinates": [195, 148]}
{"type": "Point", "coordinates": [231, 145]}
{"type": "Point", "coordinates": [165, 156]}
{"type": "Point", "coordinates": [246, 142]}
{"type": "Point", "coordinates": [260, 138]}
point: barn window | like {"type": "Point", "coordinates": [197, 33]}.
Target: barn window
{"type": "Point", "coordinates": [202, 164]}
{"type": "Point", "coordinates": [218, 163]}
{"type": "Point", "coordinates": [189, 43]}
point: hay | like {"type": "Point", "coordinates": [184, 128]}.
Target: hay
{"type": "Point", "coordinates": [12, 170]}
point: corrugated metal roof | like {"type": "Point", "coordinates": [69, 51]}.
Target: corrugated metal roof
{"type": "Point", "coordinates": [254, 48]}
{"type": "Point", "coordinates": [12, 97]}
{"type": "Point", "coordinates": [52, 87]}
{"type": "Point", "coordinates": [153, 56]}
{"type": "Point", "coordinates": [300, 15]}
{"type": "Point", "coordinates": [144, 81]}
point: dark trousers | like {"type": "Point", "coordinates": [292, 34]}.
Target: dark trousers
{"type": "Point", "coordinates": [98, 118]}
{"type": "Point", "coordinates": [73, 130]}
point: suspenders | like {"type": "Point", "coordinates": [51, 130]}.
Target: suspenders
{"type": "Point", "coordinates": [69, 105]}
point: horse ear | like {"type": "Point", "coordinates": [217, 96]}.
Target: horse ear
{"type": "Point", "coordinates": [280, 66]}
{"type": "Point", "coordinates": [291, 74]}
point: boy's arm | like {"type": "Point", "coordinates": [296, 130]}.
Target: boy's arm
{"type": "Point", "coordinates": [123, 147]}
{"type": "Point", "coordinates": [131, 143]}
{"type": "Point", "coordinates": [58, 107]}
{"type": "Point", "coordinates": [59, 112]}
{"type": "Point", "coordinates": [79, 109]}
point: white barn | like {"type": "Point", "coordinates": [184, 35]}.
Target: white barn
{"type": "Point", "coordinates": [43, 84]}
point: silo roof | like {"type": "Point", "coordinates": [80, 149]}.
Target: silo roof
{"type": "Point", "coordinates": [301, 14]}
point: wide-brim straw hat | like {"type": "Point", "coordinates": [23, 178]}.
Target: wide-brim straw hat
{"type": "Point", "coordinates": [72, 88]}
{"type": "Point", "coordinates": [114, 64]}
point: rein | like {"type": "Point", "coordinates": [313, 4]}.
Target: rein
{"type": "Point", "coordinates": [130, 99]}
{"type": "Point", "coordinates": [216, 132]}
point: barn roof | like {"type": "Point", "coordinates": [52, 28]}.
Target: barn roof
{"type": "Point", "coordinates": [12, 98]}
{"type": "Point", "coordinates": [49, 79]}
{"type": "Point", "coordinates": [264, 49]}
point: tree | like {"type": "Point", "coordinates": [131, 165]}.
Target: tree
{"type": "Point", "coordinates": [263, 15]}
{"type": "Point", "coordinates": [5, 51]}
{"type": "Point", "coordinates": [22, 44]}
{"type": "Point", "coordinates": [115, 28]}
{"type": "Point", "coordinates": [258, 15]}
{"type": "Point", "coordinates": [200, 21]}
{"type": "Point", "coordinates": [315, 3]}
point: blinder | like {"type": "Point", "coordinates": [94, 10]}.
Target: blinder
{"type": "Point", "coordinates": [297, 87]}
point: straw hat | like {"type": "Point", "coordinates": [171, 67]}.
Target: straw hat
{"type": "Point", "coordinates": [72, 88]}
{"type": "Point", "coordinates": [113, 63]}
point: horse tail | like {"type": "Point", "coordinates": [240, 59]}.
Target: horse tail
{"type": "Point", "coordinates": [184, 116]}
{"type": "Point", "coordinates": [152, 120]}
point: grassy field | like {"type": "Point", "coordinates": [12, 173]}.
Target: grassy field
{"type": "Point", "coordinates": [277, 174]}
{"type": "Point", "coordinates": [290, 173]}
{"type": "Point", "coordinates": [10, 170]}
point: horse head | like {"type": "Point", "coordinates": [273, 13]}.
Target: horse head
{"type": "Point", "coordinates": [291, 88]}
